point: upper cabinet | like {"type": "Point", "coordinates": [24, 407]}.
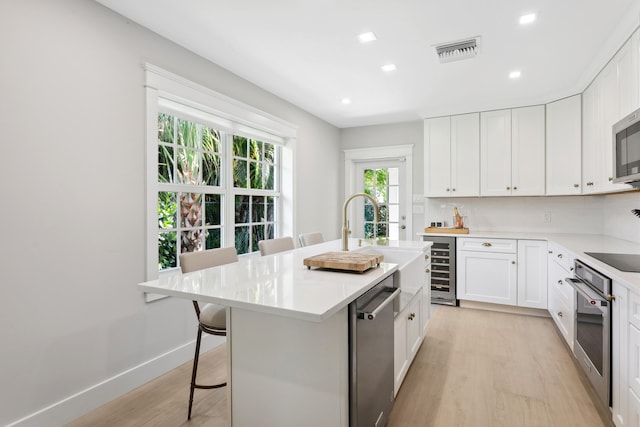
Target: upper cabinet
{"type": "Point", "coordinates": [563, 148]}
{"type": "Point", "coordinates": [512, 152]}
{"type": "Point", "coordinates": [612, 95]}
{"type": "Point", "coordinates": [452, 156]}
{"type": "Point", "coordinates": [564, 130]}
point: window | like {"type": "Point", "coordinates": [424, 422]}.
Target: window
{"type": "Point", "coordinates": [383, 185]}
{"type": "Point", "coordinates": [214, 168]}
{"type": "Point", "coordinates": [255, 166]}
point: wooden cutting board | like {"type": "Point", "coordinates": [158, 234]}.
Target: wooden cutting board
{"type": "Point", "coordinates": [446, 230]}
{"type": "Point", "coordinates": [345, 261]}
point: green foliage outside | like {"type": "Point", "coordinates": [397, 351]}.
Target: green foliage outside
{"type": "Point", "coordinates": [190, 153]}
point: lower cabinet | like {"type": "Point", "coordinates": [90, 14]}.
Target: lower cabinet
{"type": "Point", "coordinates": [561, 300]}
{"type": "Point", "coordinates": [502, 271]}
{"type": "Point", "coordinates": [408, 331]}
{"type": "Point", "coordinates": [625, 357]}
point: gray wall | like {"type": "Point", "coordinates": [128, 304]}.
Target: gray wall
{"type": "Point", "coordinates": [72, 116]}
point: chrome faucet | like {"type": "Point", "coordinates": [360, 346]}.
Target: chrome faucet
{"type": "Point", "coordinates": [345, 225]}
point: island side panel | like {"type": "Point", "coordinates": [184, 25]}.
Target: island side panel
{"type": "Point", "coordinates": [288, 372]}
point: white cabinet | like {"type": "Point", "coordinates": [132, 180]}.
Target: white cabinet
{"type": "Point", "coordinates": [528, 151]}
{"type": "Point", "coordinates": [495, 153]}
{"type": "Point", "coordinates": [561, 296]}
{"type": "Point", "coordinates": [611, 96]}
{"type": "Point", "coordinates": [407, 338]}
{"type": "Point", "coordinates": [622, 396]}
{"type": "Point", "coordinates": [512, 152]}
{"type": "Point", "coordinates": [564, 135]}
{"type": "Point", "coordinates": [532, 273]}
{"type": "Point", "coordinates": [502, 271]}
{"type": "Point", "coordinates": [487, 274]}
{"type": "Point", "coordinates": [451, 156]}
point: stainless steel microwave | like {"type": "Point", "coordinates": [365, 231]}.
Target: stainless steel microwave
{"type": "Point", "coordinates": [626, 149]}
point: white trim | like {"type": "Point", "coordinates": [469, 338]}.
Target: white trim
{"type": "Point", "coordinates": [165, 90]}
{"type": "Point", "coordinates": [72, 407]}
{"type": "Point", "coordinates": [394, 152]}
{"type": "Point", "coordinates": [183, 91]}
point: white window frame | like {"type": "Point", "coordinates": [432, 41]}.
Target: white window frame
{"type": "Point", "coordinates": [395, 152]}
{"type": "Point", "coordinates": [224, 114]}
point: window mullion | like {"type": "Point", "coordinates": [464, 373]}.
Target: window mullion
{"type": "Point", "coordinates": [229, 198]}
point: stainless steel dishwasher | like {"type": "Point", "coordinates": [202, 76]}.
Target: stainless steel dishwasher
{"type": "Point", "coordinates": [371, 355]}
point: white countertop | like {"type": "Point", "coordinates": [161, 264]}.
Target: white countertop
{"type": "Point", "coordinates": [280, 284]}
{"type": "Point", "coordinates": [577, 244]}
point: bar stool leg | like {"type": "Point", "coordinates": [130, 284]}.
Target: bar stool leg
{"type": "Point", "coordinates": [195, 369]}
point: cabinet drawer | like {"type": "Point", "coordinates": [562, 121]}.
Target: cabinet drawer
{"type": "Point", "coordinates": [561, 256]}
{"type": "Point", "coordinates": [508, 246]}
{"type": "Point", "coordinates": [562, 315]}
{"type": "Point", "coordinates": [565, 292]}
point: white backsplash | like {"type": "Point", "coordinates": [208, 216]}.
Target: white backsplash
{"type": "Point", "coordinates": [572, 214]}
{"type": "Point", "coordinates": [618, 220]}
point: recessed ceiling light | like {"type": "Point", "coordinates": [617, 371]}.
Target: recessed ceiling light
{"type": "Point", "coordinates": [527, 19]}
{"type": "Point", "coordinates": [515, 74]}
{"type": "Point", "coordinates": [389, 67]}
{"type": "Point", "coordinates": [367, 37]}
{"type": "Point", "coordinates": [346, 101]}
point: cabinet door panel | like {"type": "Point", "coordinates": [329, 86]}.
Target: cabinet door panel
{"type": "Point", "coordinates": [527, 151]}
{"type": "Point", "coordinates": [413, 327]}
{"type": "Point", "coordinates": [400, 357]}
{"type": "Point", "coordinates": [487, 277]}
{"type": "Point", "coordinates": [465, 155]}
{"type": "Point", "coordinates": [634, 359]}
{"type": "Point", "coordinates": [564, 139]}
{"type": "Point", "coordinates": [591, 143]}
{"type": "Point", "coordinates": [532, 273]}
{"type": "Point", "coordinates": [437, 157]}
{"type": "Point", "coordinates": [495, 153]}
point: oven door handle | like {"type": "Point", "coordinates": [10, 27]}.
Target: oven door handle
{"type": "Point", "coordinates": [582, 288]}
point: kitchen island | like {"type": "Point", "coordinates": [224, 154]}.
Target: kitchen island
{"type": "Point", "coordinates": [287, 341]}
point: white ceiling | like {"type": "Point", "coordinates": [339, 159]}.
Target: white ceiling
{"type": "Point", "coordinates": [307, 52]}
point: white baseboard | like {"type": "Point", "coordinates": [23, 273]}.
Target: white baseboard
{"type": "Point", "coordinates": [87, 400]}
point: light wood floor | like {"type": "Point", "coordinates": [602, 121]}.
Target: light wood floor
{"type": "Point", "coordinates": [476, 368]}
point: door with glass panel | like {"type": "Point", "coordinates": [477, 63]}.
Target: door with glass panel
{"type": "Point", "coordinates": [384, 180]}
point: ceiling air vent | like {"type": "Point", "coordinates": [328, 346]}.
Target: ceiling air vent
{"type": "Point", "coordinates": [456, 51]}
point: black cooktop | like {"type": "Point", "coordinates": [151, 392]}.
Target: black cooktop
{"type": "Point", "coordinates": [623, 262]}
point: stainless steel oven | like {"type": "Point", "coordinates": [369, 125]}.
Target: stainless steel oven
{"type": "Point", "coordinates": [592, 345]}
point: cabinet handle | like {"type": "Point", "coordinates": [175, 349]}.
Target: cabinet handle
{"type": "Point", "coordinates": [427, 271]}
{"type": "Point", "coordinates": [515, 188]}
{"type": "Point", "coordinates": [589, 184]}
{"type": "Point", "coordinates": [486, 244]}
{"type": "Point", "coordinates": [447, 189]}
{"type": "Point", "coordinates": [610, 178]}
{"type": "Point", "coordinates": [550, 252]}
{"type": "Point", "coordinates": [560, 314]}
{"type": "Point", "coordinates": [559, 255]}
{"type": "Point", "coordinates": [426, 257]}
{"type": "Point", "coordinates": [570, 268]}
{"type": "Point", "coordinates": [513, 262]}
{"type": "Point", "coordinates": [576, 185]}
{"type": "Point", "coordinates": [611, 297]}
{"type": "Point", "coordinates": [453, 189]}
{"type": "Point", "coordinates": [412, 316]}
{"type": "Point", "coordinates": [508, 188]}
{"type": "Point", "coordinates": [559, 282]}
